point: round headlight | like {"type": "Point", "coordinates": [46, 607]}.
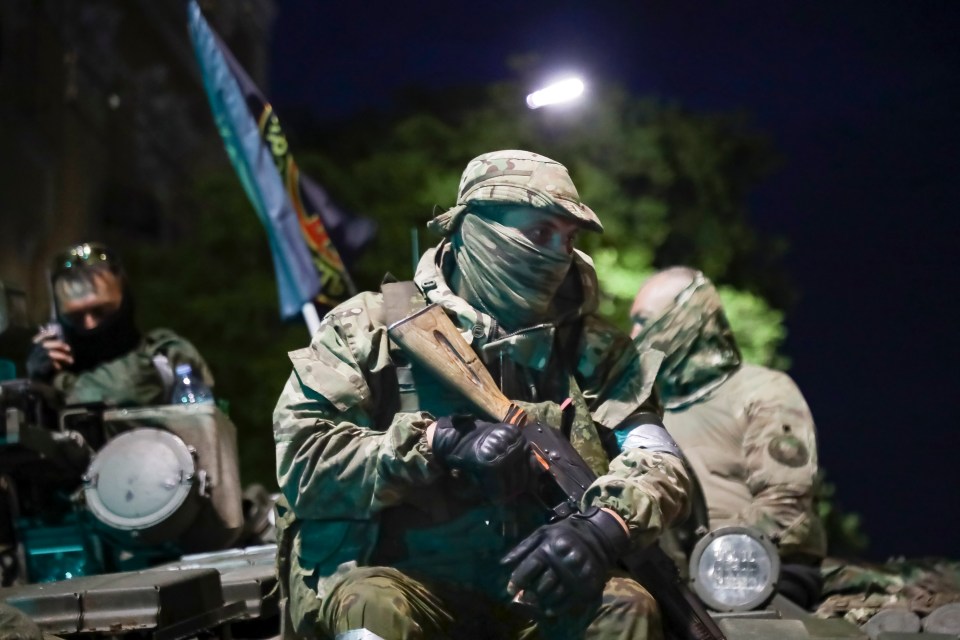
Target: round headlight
{"type": "Point", "coordinates": [734, 569]}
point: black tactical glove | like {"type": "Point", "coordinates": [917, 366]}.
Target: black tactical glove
{"type": "Point", "coordinates": [492, 453]}
{"type": "Point", "coordinates": [565, 564]}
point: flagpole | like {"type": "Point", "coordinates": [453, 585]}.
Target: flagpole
{"type": "Point", "coordinates": [414, 248]}
{"type": "Point", "coordinates": [311, 317]}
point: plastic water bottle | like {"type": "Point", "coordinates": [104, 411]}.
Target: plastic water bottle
{"type": "Point", "coordinates": [190, 389]}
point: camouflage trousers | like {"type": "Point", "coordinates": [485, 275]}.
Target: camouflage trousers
{"type": "Point", "coordinates": [397, 606]}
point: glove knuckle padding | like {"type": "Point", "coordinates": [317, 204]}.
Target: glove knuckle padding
{"type": "Point", "coordinates": [463, 440]}
{"type": "Point", "coordinates": [563, 544]}
{"type": "Point", "coordinates": [499, 443]}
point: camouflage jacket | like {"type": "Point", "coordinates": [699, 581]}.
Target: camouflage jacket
{"type": "Point", "coordinates": [350, 464]}
{"type": "Point", "coordinates": [752, 444]}
{"type": "Point", "coordinates": [745, 429]}
{"type": "Point", "coordinates": [134, 379]}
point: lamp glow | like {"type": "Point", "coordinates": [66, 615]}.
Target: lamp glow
{"type": "Point", "coordinates": [562, 91]}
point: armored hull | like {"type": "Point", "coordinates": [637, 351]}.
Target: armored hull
{"type": "Point", "coordinates": [225, 592]}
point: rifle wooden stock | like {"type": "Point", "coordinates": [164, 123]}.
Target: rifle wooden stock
{"type": "Point", "coordinates": [431, 339]}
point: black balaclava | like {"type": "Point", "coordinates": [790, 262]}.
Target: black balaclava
{"type": "Point", "coordinates": [116, 335]}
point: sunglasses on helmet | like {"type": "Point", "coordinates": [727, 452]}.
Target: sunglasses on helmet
{"type": "Point", "coordinates": [84, 255]}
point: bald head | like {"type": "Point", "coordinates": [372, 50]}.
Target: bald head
{"type": "Point", "coordinates": [657, 293]}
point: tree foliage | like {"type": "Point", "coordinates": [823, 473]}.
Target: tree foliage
{"type": "Point", "coordinates": [216, 288]}
{"type": "Point", "coordinates": [845, 536]}
{"type": "Point", "coordinates": [670, 186]}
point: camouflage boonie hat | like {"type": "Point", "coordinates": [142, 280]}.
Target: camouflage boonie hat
{"type": "Point", "coordinates": [517, 177]}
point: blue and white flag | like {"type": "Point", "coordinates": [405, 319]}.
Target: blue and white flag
{"type": "Point", "coordinates": [297, 279]}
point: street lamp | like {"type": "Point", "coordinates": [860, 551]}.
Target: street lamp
{"type": "Point", "coordinates": [565, 90]}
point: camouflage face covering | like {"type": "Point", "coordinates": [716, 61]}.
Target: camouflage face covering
{"type": "Point", "coordinates": [699, 346]}
{"type": "Point", "coordinates": [505, 274]}
{"type": "Point", "coordinates": [576, 298]}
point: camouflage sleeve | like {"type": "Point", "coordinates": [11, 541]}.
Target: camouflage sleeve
{"type": "Point", "coordinates": [647, 489]}
{"type": "Point", "coordinates": [780, 450]}
{"type": "Point", "coordinates": [332, 461]}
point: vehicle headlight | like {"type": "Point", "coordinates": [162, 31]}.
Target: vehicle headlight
{"type": "Point", "coordinates": [734, 569]}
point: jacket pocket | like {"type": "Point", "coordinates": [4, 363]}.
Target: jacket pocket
{"type": "Point", "coordinates": [340, 383]}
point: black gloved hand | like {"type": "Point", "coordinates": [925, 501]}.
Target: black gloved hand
{"type": "Point", "coordinates": [565, 564]}
{"type": "Point", "coordinates": [492, 453]}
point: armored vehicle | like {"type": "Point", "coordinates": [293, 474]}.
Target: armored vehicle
{"type": "Point", "coordinates": [98, 507]}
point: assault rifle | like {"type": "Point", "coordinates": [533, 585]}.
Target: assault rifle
{"type": "Point", "coordinates": [431, 340]}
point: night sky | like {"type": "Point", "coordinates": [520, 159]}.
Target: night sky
{"type": "Point", "coordinates": [863, 100]}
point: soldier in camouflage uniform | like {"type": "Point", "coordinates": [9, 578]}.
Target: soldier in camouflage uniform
{"type": "Point", "coordinates": [745, 429]}
{"type": "Point", "coordinates": [101, 355]}
{"type": "Point", "coordinates": [402, 506]}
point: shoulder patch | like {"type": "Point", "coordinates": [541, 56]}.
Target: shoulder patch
{"type": "Point", "coordinates": [789, 450]}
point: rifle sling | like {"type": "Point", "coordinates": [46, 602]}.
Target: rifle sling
{"type": "Point", "coordinates": [402, 299]}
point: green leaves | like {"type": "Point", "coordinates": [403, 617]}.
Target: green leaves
{"type": "Point", "coordinates": [845, 537]}
{"type": "Point", "coordinates": [757, 326]}
{"type": "Point", "coordinates": [216, 288]}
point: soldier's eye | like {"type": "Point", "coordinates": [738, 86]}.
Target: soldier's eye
{"type": "Point", "coordinates": [538, 235]}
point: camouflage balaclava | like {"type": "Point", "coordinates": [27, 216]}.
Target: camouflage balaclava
{"type": "Point", "coordinates": [699, 347]}
{"type": "Point", "coordinates": [502, 272]}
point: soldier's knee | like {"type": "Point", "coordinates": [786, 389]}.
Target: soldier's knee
{"type": "Point", "coordinates": [629, 608]}
{"type": "Point", "coordinates": [16, 625]}
{"type": "Point", "coordinates": [370, 598]}
{"type": "Point", "coordinates": [628, 596]}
